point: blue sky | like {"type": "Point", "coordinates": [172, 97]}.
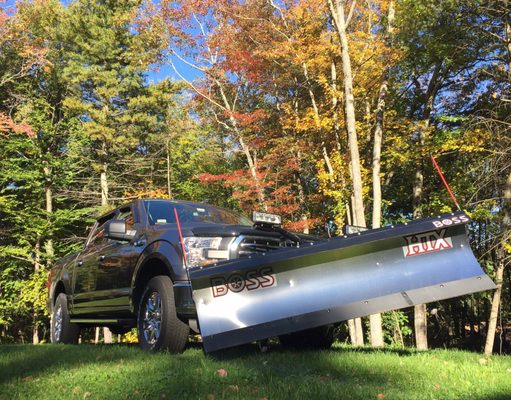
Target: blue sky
{"type": "Point", "coordinates": [166, 71]}
{"type": "Point", "coordinates": [159, 73]}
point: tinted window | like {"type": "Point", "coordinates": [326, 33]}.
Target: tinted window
{"type": "Point", "coordinates": [162, 212]}
{"type": "Point", "coordinates": [98, 235]}
{"type": "Point", "coordinates": [126, 215]}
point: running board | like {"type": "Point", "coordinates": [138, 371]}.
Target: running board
{"type": "Point", "coordinates": [289, 290]}
{"type": "Point", "coordinates": [101, 322]}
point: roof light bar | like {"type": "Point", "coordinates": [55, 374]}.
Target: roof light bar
{"type": "Point", "coordinates": [265, 218]}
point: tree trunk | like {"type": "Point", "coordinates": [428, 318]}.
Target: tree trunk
{"type": "Point", "coordinates": [398, 334]}
{"type": "Point", "coordinates": [507, 203]}
{"type": "Point", "coordinates": [353, 325]}
{"type": "Point", "coordinates": [507, 28]}
{"type": "Point", "coordinates": [375, 319]}
{"type": "Point", "coordinates": [35, 315]}
{"type": "Point", "coordinates": [355, 331]}
{"type": "Point", "coordinates": [359, 331]}
{"type": "Point", "coordinates": [335, 106]}
{"type": "Point", "coordinates": [420, 310]}
{"type": "Point", "coordinates": [253, 169]}
{"type": "Point", "coordinates": [337, 12]}
{"type": "Point", "coordinates": [48, 245]}
{"type": "Point", "coordinates": [378, 130]}
{"type": "Point", "coordinates": [301, 195]}
{"type": "Point", "coordinates": [421, 326]}
{"type": "Point", "coordinates": [104, 186]}
{"type": "Point", "coordinates": [107, 335]}
{"type": "Point", "coordinates": [169, 189]}
{"type": "Point", "coordinates": [375, 330]}
{"type": "Point", "coordinates": [429, 101]}
{"type": "Point", "coordinates": [495, 305]}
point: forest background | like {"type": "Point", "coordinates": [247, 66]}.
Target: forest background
{"type": "Point", "coordinates": [314, 109]}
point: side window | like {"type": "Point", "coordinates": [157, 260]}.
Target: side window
{"type": "Point", "coordinates": [98, 235]}
{"type": "Point", "coordinates": [126, 215]}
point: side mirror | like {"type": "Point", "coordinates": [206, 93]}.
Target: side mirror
{"type": "Point", "coordinates": [116, 229]}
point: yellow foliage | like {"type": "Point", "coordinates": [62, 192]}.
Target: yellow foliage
{"type": "Point", "coordinates": [130, 337]}
{"type": "Point", "coordinates": [472, 141]}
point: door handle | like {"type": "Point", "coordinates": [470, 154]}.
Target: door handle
{"type": "Point", "coordinates": [101, 258]}
{"type": "Point", "coordinates": [80, 263]}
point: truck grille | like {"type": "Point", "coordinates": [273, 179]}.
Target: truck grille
{"type": "Point", "coordinates": [252, 245]}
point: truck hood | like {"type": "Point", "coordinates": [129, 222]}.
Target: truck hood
{"type": "Point", "coordinates": [236, 230]}
{"type": "Point", "coordinates": [226, 230]}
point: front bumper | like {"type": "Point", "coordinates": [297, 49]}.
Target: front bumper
{"type": "Point", "coordinates": [185, 306]}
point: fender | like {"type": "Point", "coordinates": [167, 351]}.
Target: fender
{"type": "Point", "coordinates": [168, 254]}
{"type": "Point", "coordinates": [63, 274]}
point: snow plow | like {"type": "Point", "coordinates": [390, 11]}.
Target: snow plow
{"type": "Point", "coordinates": [336, 279]}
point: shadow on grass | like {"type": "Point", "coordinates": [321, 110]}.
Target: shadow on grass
{"type": "Point", "coordinates": [251, 349]}
{"type": "Point", "coordinates": [22, 361]}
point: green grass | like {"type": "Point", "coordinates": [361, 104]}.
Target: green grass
{"type": "Point", "coordinates": [120, 372]}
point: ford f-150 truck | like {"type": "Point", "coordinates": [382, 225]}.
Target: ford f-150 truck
{"type": "Point", "coordinates": [168, 267]}
{"type": "Point", "coordinates": [132, 271]}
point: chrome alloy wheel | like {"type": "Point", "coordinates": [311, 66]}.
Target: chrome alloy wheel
{"type": "Point", "coordinates": [57, 327]}
{"type": "Point", "coordinates": [151, 324]}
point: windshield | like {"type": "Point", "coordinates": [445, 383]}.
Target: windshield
{"type": "Point", "coordinates": [161, 212]}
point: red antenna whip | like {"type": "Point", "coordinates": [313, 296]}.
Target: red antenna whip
{"type": "Point", "coordinates": [445, 183]}
{"type": "Point", "coordinates": [180, 235]}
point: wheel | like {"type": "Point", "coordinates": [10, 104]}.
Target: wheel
{"type": "Point", "coordinates": [62, 330]}
{"type": "Point", "coordinates": [159, 327]}
{"type": "Point", "coordinates": [315, 338]}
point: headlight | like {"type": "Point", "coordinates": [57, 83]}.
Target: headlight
{"type": "Point", "coordinates": [203, 250]}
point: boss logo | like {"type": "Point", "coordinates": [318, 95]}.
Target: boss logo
{"type": "Point", "coordinates": [461, 219]}
{"type": "Point", "coordinates": [426, 243]}
{"type": "Point", "coordinates": [250, 280]}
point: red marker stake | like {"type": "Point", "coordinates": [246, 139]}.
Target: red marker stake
{"type": "Point", "coordinates": [445, 183]}
{"type": "Point", "coordinates": [180, 236]}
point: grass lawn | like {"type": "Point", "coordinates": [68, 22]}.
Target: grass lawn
{"type": "Point", "coordinates": [122, 372]}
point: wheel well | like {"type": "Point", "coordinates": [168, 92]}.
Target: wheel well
{"type": "Point", "coordinates": [148, 271]}
{"type": "Point", "coordinates": [59, 288]}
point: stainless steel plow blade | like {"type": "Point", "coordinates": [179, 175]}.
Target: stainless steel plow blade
{"type": "Point", "coordinates": [289, 290]}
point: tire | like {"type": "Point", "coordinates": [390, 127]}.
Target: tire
{"type": "Point", "coordinates": [159, 327]}
{"type": "Point", "coordinates": [62, 330]}
{"type": "Point", "coordinates": [315, 338]}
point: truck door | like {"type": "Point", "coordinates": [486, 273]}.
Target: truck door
{"type": "Point", "coordinates": [114, 266]}
{"type": "Point", "coordinates": [85, 271]}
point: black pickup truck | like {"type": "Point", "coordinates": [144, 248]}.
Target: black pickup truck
{"type": "Point", "coordinates": [133, 270]}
